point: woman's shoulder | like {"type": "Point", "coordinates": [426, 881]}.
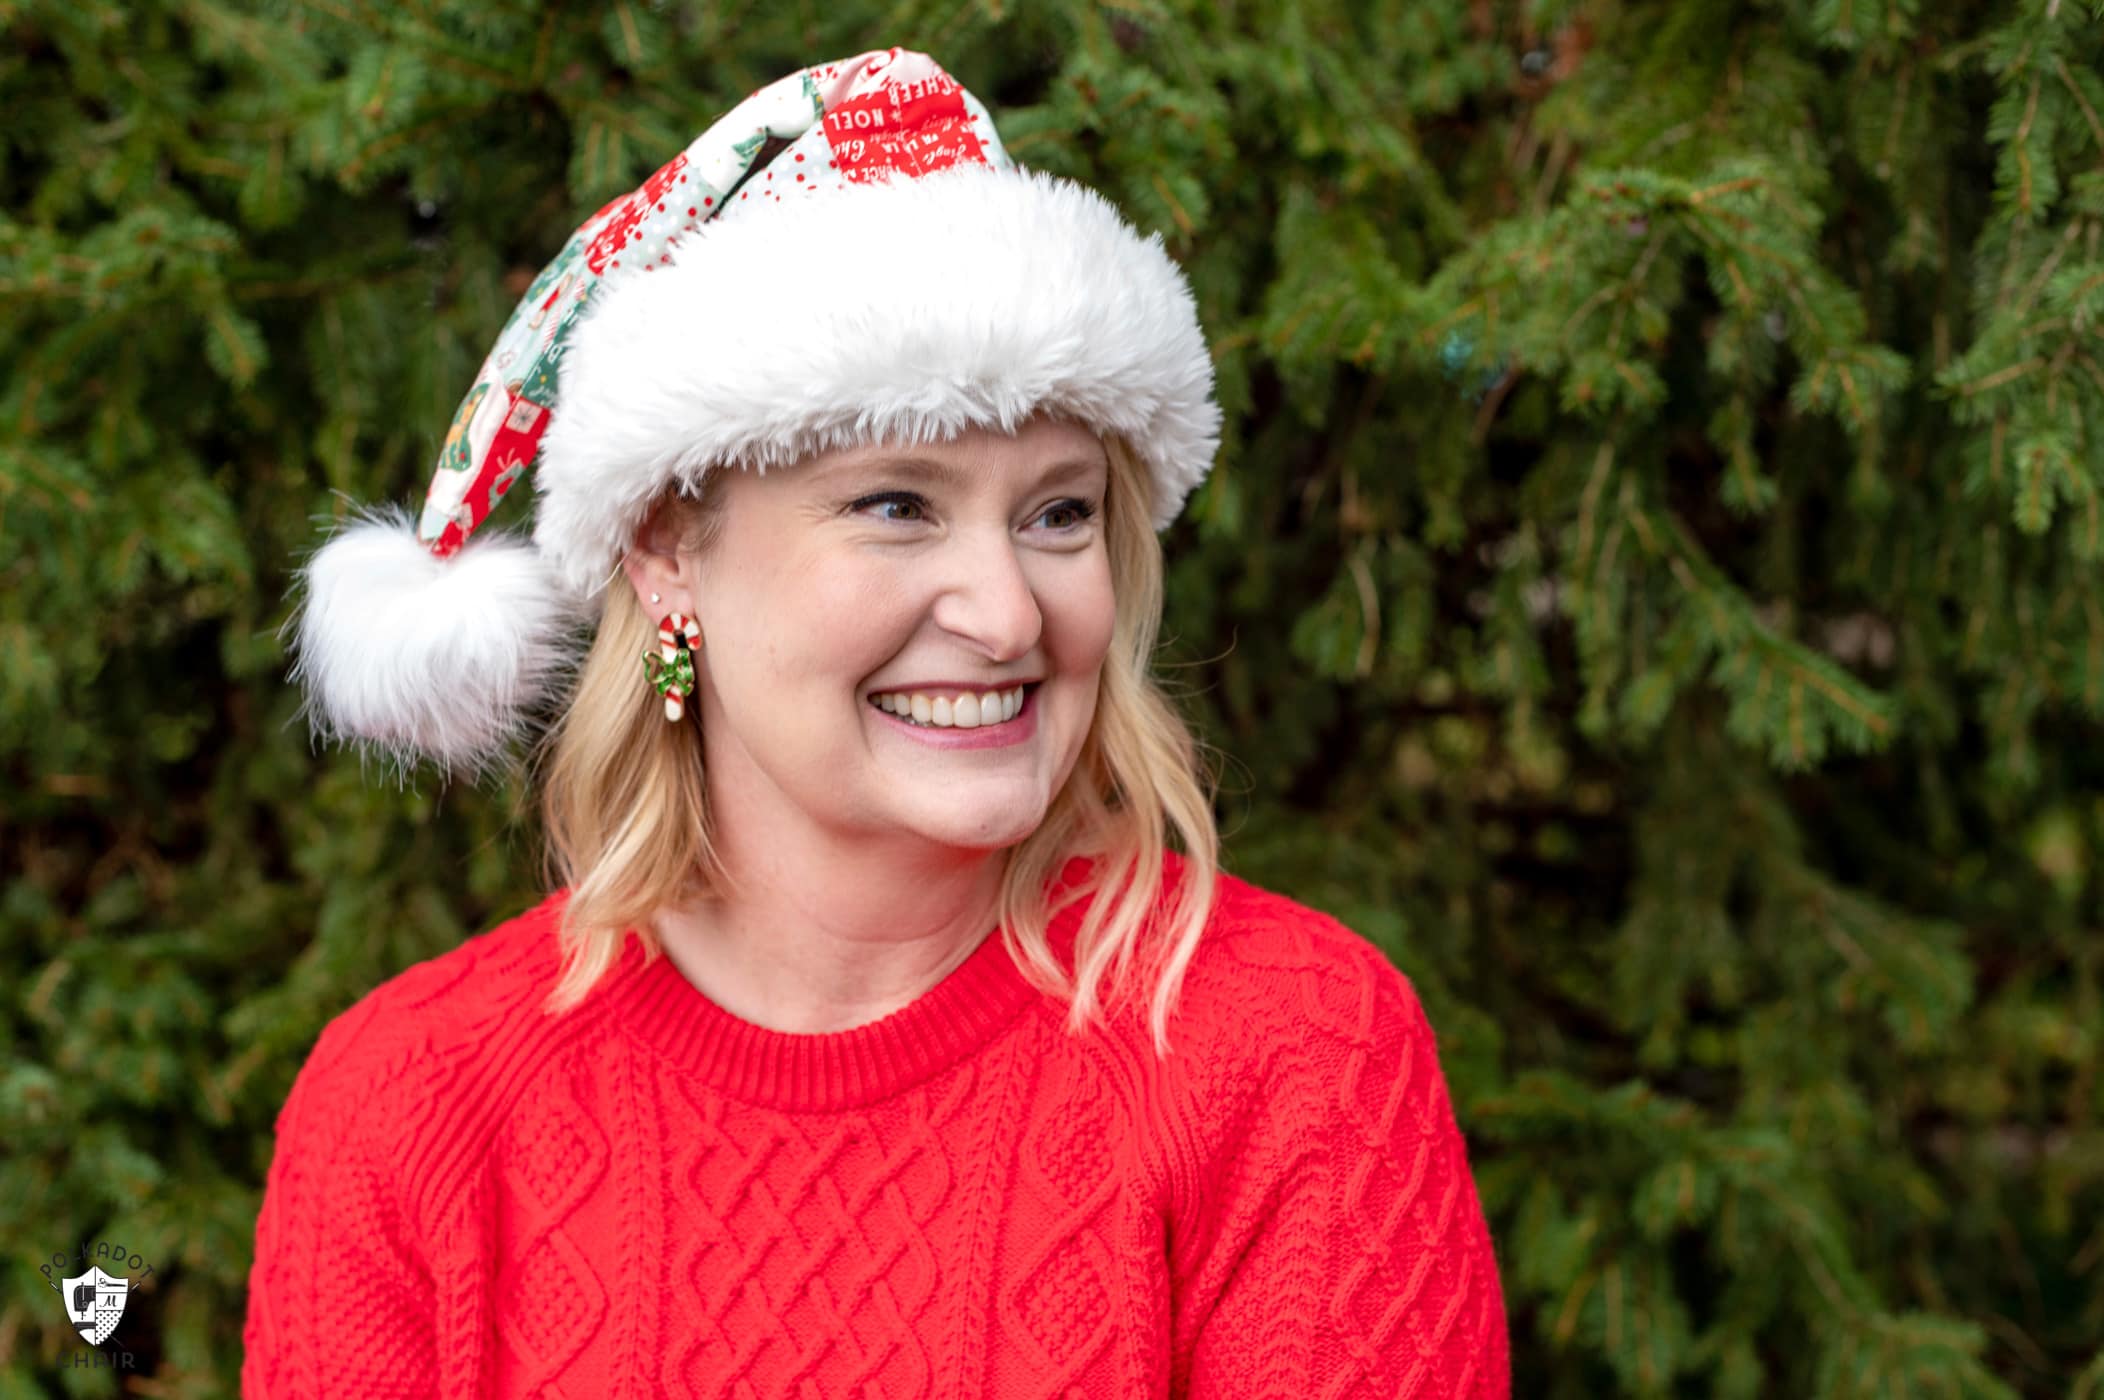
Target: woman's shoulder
{"type": "Point", "coordinates": [1294, 1032]}
{"type": "Point", "coordinates": [419, 1029]}
{"type": "Point", "coordinates": [1274, 993]}
{"type": "Point", "coordinates": [1282, 972]}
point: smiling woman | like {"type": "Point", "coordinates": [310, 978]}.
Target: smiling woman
{"type": "Point", "coordinates": [891, 1027]}
{"type": "Point", "coordinates": [811, 603]}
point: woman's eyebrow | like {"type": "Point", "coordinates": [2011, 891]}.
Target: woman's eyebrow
{"type": "Point", "coordinates": [945, 473]}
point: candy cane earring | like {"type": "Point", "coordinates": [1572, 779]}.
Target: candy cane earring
{"type": "Point", "coordinates": [671, 667]}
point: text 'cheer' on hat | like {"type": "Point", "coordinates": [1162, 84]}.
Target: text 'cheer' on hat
{"type": "Point", "coordinates": [848, 256]}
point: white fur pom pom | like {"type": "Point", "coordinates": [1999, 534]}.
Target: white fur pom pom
{"type": "Point", "coordinates": [413, 656]}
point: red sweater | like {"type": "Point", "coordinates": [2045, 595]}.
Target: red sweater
{"type": "Point", "coordinates": [650, 1196]}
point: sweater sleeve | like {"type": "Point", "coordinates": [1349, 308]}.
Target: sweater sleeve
{"type": "Point", "coordinates": [339, 1303]}
{"type": "Point", "coordinates": [1346, 1252]}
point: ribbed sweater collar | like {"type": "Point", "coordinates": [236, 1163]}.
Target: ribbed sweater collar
{"type": "Point", "coordinates": [848, 1069]}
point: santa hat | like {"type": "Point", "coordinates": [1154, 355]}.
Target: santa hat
{"type": "Point", "coordinates": [848, 256]}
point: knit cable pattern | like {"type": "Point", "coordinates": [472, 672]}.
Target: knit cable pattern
{"type": "Point", "coordinates": [649, 1197]}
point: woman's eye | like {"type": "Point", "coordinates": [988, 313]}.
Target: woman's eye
{"type": "Point", "coordinates": [1079, 510]}
{"type": "Point", "coordinates": [891, 498]}
{"type": "Point", "coordinates": [1076, 512]}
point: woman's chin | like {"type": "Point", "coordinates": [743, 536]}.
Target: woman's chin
{"type": "Point", "coordinates": [967, 823]}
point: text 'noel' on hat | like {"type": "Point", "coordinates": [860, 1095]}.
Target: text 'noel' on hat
{"type": "Point", "coordinates": [848, 256]}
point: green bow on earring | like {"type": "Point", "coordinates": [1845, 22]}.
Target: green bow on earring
{"type": "Point", "coordinates": [674, 677]}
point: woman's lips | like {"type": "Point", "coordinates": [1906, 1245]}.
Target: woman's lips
{"type": "Point", "coordinates": [987, 736]}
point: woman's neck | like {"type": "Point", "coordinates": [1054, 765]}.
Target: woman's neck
{"type": "Point", "coordinates": [822, 949]}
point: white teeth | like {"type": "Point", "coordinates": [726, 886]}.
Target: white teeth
{"type": "Point", "coordinates": [967, 711]}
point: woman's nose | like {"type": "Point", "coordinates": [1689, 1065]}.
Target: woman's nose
{"type": "Point", "coordinates": [988, 596]}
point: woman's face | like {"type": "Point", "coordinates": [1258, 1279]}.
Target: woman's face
{"type": "Point", "coordinates": [942, 571]}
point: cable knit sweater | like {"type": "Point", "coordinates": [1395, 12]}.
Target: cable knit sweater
{"type": "Point", "coordinates": [650, 1196]}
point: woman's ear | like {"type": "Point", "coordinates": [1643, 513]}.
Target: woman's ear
{"type": "Point", "coordinates": [654, 567]}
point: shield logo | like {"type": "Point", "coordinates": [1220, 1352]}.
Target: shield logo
{"type": "Point", "coordinates": [95, 1301]}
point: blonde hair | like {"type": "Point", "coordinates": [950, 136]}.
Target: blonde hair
{"type": "Point", "coordinates": [628, 827]}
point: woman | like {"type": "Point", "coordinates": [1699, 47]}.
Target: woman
{"type": "Point", "coordinates": [874, 1040]}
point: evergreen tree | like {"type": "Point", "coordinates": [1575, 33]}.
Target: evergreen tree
{"type": "Point", "coordinates": [1648, 587]}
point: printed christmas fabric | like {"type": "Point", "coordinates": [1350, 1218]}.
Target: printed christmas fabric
{"type": "Point", "coordinates": [882, 114]}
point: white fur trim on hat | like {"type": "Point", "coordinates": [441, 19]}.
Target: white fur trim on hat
{"type": "Point", "coordinates": [411, 656]}
{"type": "Point", "coordinates": [904, 310]}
